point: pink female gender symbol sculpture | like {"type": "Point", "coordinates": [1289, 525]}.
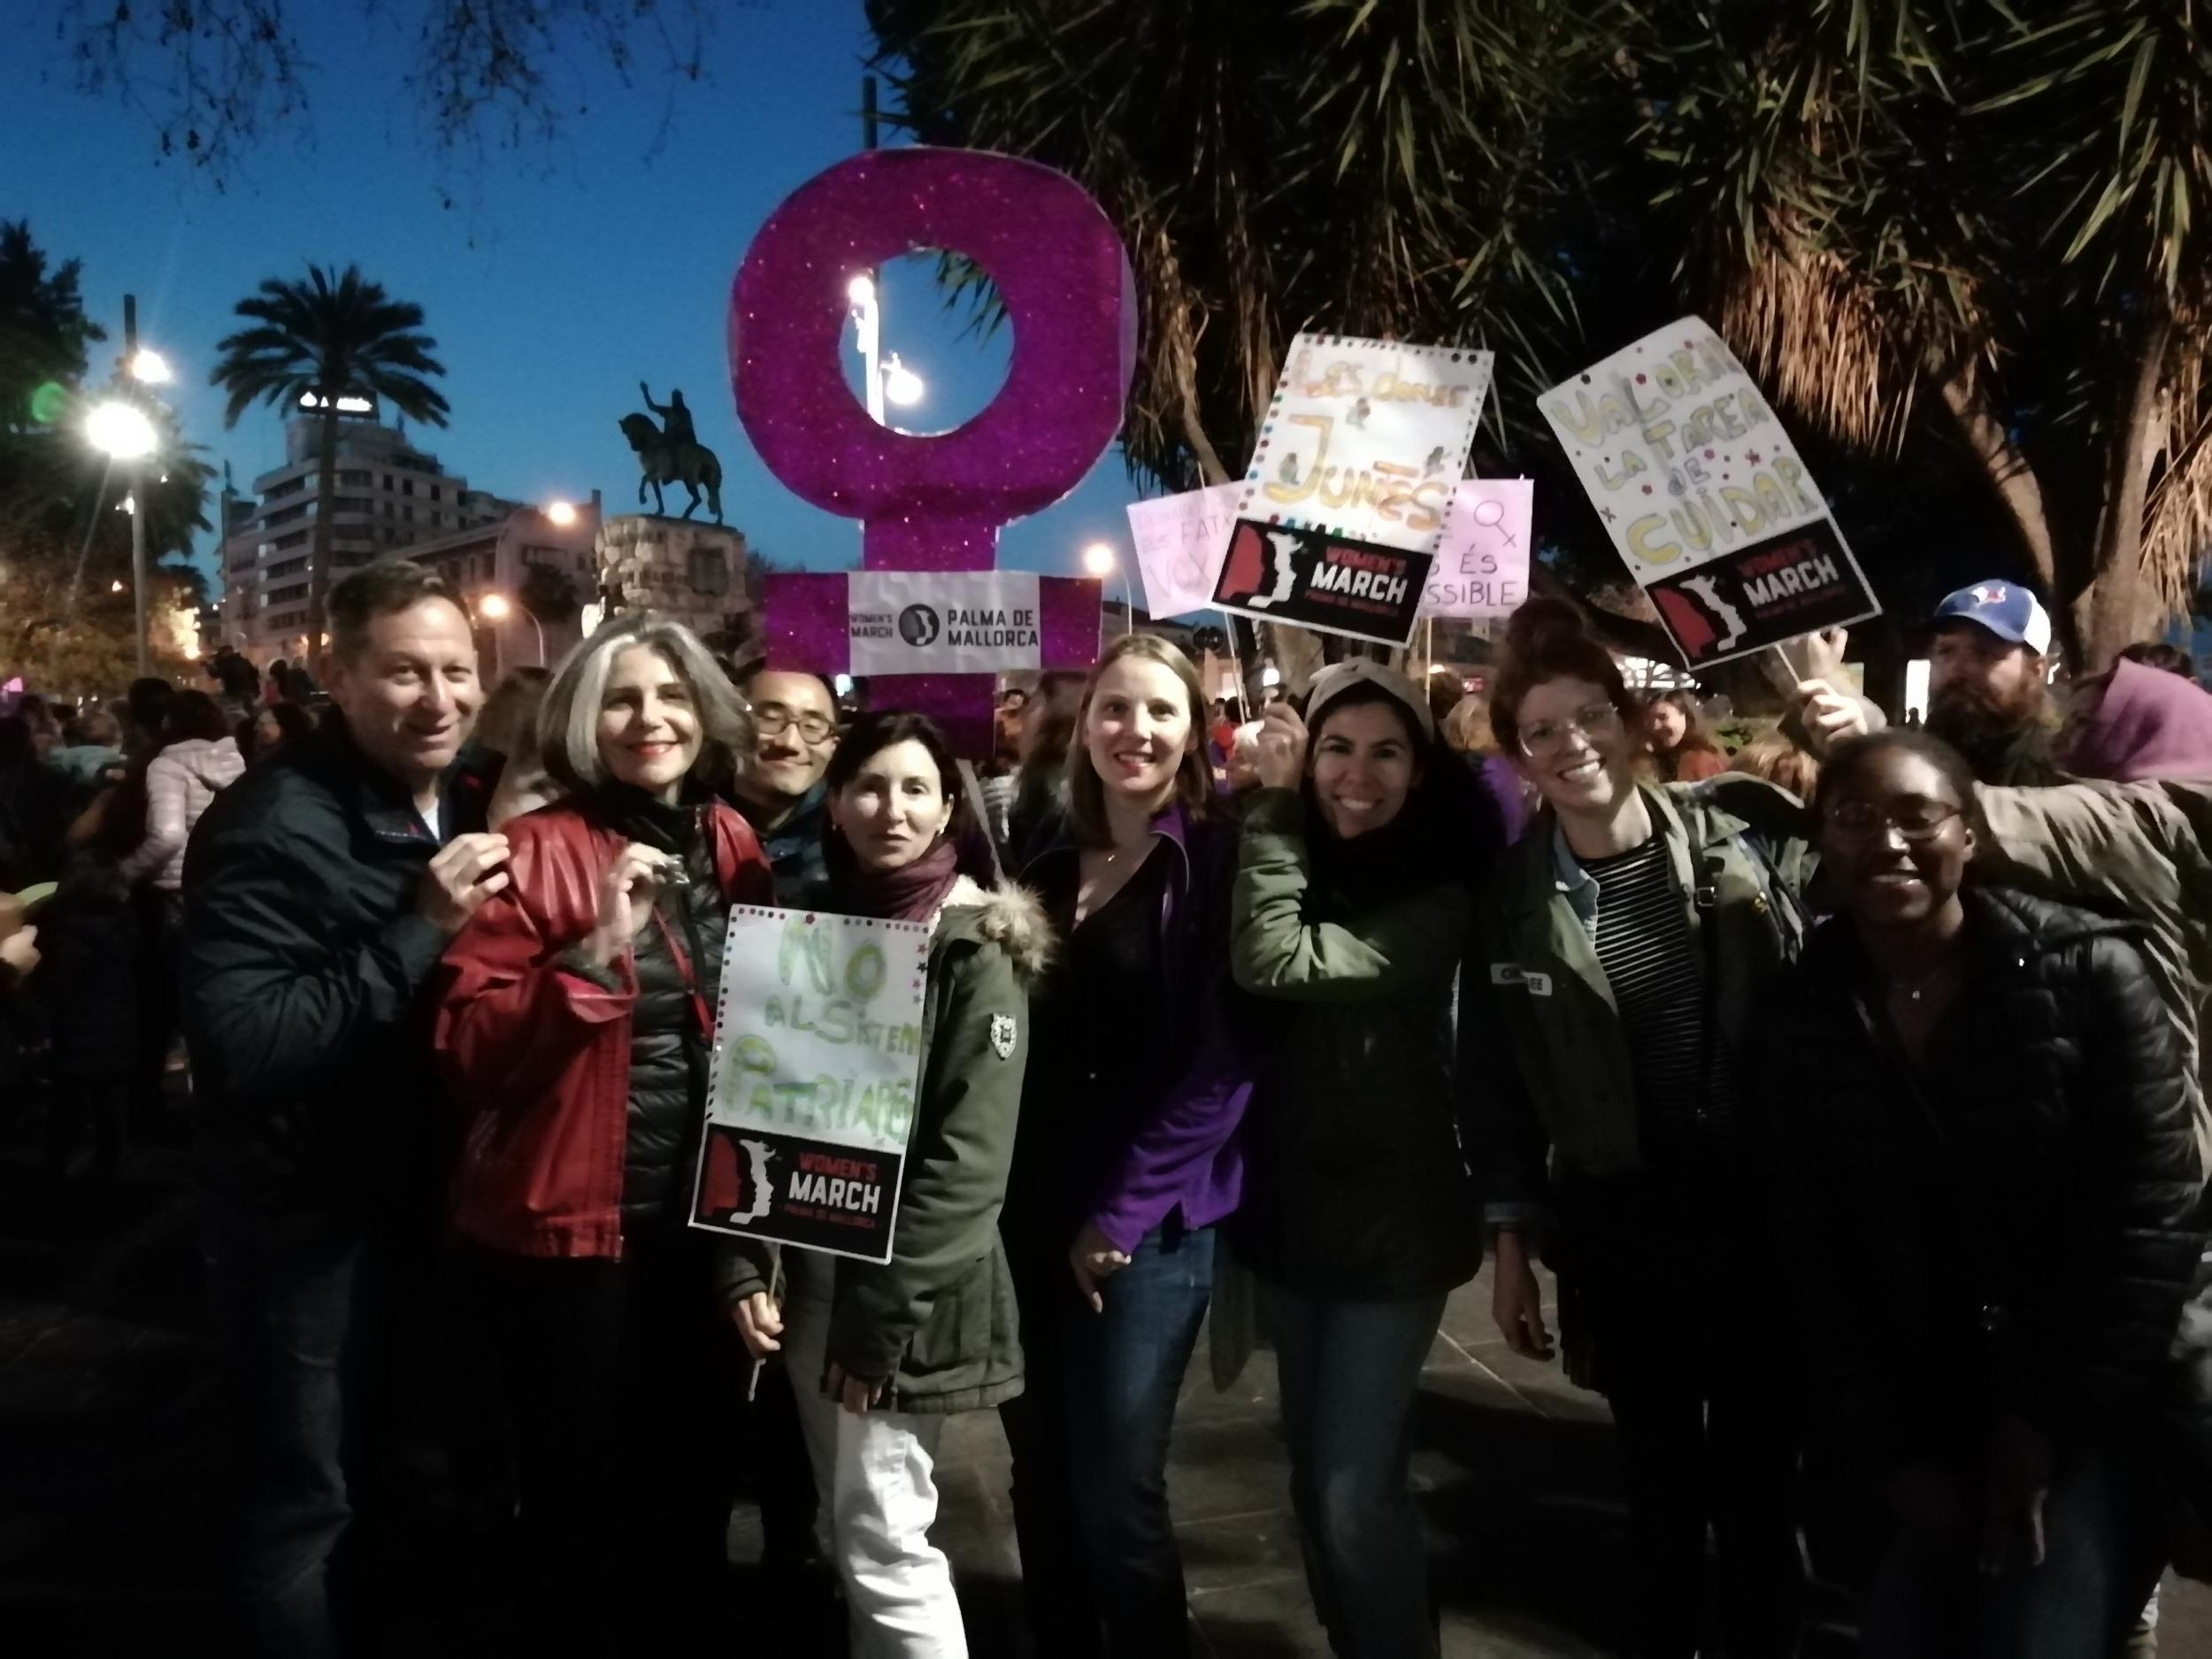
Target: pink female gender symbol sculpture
{"type": "Point", "coordinates": [936, 502]}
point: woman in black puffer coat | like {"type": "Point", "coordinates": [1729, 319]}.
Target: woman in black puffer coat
{"type": "Point", "coordinates": [1990, 1199]}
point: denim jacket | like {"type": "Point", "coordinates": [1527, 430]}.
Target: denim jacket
{"type": "Point", "coordinates": [1187, 1155]}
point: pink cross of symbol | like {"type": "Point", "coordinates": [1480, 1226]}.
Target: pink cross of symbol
{"type": "Point", "coordinates": [932, 502]}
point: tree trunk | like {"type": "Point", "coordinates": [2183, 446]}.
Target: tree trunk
{"type": "Point", "coordinates": [2010, 474]}
{"type": "Point", "coordinates": [319, 541]}
{"type": "Point", "coordinates": [2120, 604]}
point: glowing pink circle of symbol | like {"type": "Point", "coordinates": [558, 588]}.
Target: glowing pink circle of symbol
{"type": "Point", "coordinates": [935, 502]}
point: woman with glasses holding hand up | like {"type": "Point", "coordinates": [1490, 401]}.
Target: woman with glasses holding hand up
{"type": "Point", "coordinates": [1622, 948]}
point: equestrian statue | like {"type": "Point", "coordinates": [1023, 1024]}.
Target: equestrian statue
{"type": "Point", "coordinates": [669, 453]}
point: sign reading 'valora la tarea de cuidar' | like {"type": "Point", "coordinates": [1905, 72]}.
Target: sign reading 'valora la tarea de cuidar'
{"type": "Point", "coordinates": [818, 1055]}
{"type": "Point", "coordinates": [1703, 495]}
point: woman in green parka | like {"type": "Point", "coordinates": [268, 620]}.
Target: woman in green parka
{"type": "Point", "coordinates": [1350, 913]}
{"type": "Point", "coordinates": [882, 1354]}
{"type": "Point", "coordinates": [1624, 942]}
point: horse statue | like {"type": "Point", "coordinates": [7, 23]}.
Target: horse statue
{"type": "Point", "coordinates": [673, 457]}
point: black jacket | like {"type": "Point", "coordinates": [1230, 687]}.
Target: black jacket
{"type": "Point", "coordinates": [304, 965]}
{"type": "Point", "coordinates": [91, 950]}
{"type": "Point", "coordinates": [2012, 1232]}
{"type": "Point", "coordinates": [668, 1055]}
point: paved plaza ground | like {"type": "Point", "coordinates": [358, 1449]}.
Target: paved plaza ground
{"type": "Point", "coordinates": [108, 1454]}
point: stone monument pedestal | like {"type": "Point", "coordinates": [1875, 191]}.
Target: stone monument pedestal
{"type": "Point", "coordinates": [692, 572]}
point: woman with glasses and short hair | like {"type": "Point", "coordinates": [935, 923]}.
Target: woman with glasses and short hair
{"type": "Point", "coordinates": [1986, 1164]}
{"type": "Point", "coordinates": [1622, 947]}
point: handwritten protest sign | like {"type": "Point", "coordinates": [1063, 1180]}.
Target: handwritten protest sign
{"type": "Point", "coordinates": [1179, 540]}
{"type": "Point", "coordinates": [1345, 499]}
{"type": "Point", "coordinates": [818, 1055]}
{"type": "Point", "coordinates": [1704, 497]}
{"type": "Point", "coordinates": [1481, 568]}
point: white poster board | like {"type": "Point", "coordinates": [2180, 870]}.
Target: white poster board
{"type": "Point", "coordinates": [1179, 540]}
{"type": "Point", "coordinates": [1703, 494]}
{"type": "Point", "coordinates": [1364, 439]}
{"type": "Point", "coordinates": [818, 1057]}
{"type": "Point", "coordinates": [1481, 568]}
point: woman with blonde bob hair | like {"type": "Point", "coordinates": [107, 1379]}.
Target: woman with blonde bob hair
{"type": "Point", "coordinates": [1127, 1156]}
{"type": "Point", "coordinates": [576, 1025]}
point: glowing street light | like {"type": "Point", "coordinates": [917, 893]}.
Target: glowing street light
{"type": "Point", "coordinates": [862, 289]}
{"type": "Point", "coordinates": [900, 385]}
{"type": "Point", "coordinates": [1100, 562]}
{"type": "Point", "coordinates": [498, 607]}
{"type": "Point", "coordinates": [562, 513]}
{"type": "Point", "coordinates": [120, 430]}
{"type": "Point", "coordinates": [149, 367]}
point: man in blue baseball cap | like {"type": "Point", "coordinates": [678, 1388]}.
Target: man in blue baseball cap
{"type": "Point", "coordinates": [1985, 683]}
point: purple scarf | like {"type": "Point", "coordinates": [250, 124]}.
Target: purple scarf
{"type": "Point", "coordinates": [912, 893]}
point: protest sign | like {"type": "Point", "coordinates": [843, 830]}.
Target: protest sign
{"type": "Point", "coordinates": [1351, 477]}
{"type": "Point", "coordinates": [1689, 468]}
{"type": "Point", "coordinates": [1481, 568]}
{"type": "Point", "coordinates": [818, 1055]}
{"type": "Point", "coordinates": [1180, 541]}
{"type": "Point", "coordinates": [1318, 581]}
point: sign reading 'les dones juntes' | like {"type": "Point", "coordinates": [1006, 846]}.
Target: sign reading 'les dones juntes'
{"type": "Point", "coordinates": [811, 1099]}
{"type": "Point", "coordinates": [1351, 475]}
{"type": "Point", "coordinates": [1703, 495]}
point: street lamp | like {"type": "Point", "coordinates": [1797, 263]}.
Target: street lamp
{"type": "Point", "coordinates": [882, 382]}
{"type": "Point", "coordinates": [900, 385]}
{"type": "Point", "coordinates": [123, 432]}
{"type": "Point", "coordinates": [498, 607]}
{"type": "Point", "coordinates": [1099, 560]}
{"type": "Point", "coordinates": [149, 367]}
{"type": "Point", "coordinates": [562, 513]}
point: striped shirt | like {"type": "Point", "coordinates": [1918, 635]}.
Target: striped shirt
{"type": "Point", "coordinates": [1646, 948]}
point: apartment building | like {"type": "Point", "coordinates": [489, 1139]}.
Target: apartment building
{"type": "Point", "coordinates": [390, 495]}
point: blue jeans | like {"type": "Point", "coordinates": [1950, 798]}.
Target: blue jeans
{"type": "Point", "coordinates": [1930, 1600]}
{"type": "Point", "coordinates": [1350, 1373]}
{"type": "Point", "coordinates": [1101, 1573]}
{"type": "Point", "coordinates": [1124, 1369]}
{"type": "Point", "coordinates": [287, 1291]}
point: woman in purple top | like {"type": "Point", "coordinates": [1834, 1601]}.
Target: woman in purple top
{"type": "Point", "coordinates": [1126, 1158]}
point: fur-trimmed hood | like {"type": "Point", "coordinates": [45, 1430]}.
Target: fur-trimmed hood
{"type": "Point", "coordinates": [1008, 916]}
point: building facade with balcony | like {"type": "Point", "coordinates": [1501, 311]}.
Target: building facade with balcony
{"type": "Point", "coordinates": [496, 558]}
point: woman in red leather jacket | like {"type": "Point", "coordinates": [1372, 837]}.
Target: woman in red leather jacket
{"type": "Point", "coordinates": [576, 1028]}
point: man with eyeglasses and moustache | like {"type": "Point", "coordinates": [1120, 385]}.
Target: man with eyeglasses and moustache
{"type": "Point", "coordinates": [779, 786]}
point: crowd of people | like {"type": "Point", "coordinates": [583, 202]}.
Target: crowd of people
{"type": "Point", "coordinates": [1852, 1090]}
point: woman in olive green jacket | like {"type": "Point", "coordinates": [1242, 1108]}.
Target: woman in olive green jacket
{"type": "Point", "coordinates": [1624, 943]}
{"type": "Point", "coordinates": [1350, 913]}
{"type": "Point", "coordinates": [882, 1353]}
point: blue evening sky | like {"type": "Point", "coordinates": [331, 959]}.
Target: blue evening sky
{"type": "Point", "coordinates": [563, 277]}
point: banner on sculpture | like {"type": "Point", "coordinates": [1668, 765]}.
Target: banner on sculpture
{"type": "Point", "coordinates": [1688, 467]}
{"type": "Point", "coordinates": [1314, 580]}
{"type": "Point", "coordinates": [1481, 568]}
{"type": "Point", "coordinates": [932, 622]}
{"type": "Point", "coordinates": [818, 1057]}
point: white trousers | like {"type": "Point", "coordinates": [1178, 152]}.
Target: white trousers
{"type": "Point", "coordinates": [879, 1472]}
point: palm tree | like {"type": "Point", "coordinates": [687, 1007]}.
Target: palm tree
{"type": "Point", "coordinates": [329, 338]}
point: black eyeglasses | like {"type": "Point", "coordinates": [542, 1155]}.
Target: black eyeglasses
{"type": "Point", "coordinates": [1916, 820]}
{"type": "Point", "coordinates": [775, 720]}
